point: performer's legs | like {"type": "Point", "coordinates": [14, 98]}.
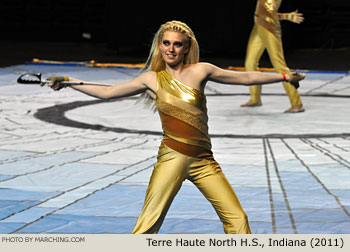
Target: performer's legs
{"type": "Point", "coordinates": [255, 50]}
{"type": "Point", "coordinates": [166, 180]}
{"type": "Point", "coordinates": [275, 51]}
{"type": "Point", "coordinates": [210, 180]}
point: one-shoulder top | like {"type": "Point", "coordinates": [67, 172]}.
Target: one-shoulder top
{"type": "Point", "coordinates": [183, 113]}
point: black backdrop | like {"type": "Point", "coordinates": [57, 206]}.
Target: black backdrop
{"type": "Point", "coordinates": [222, 28]}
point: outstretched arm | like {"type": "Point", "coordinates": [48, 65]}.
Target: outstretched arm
{"type": "Point", "coordinates": [248, 78]}
{"type": "Point", "coordinates": [138, 85]}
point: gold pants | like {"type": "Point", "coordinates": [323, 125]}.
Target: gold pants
{"type": "Point", "coordinates": [171, 169]}
{"type": "Point", "coordinates": [261, 39]}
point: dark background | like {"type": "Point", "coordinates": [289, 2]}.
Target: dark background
{"type": "Point", "coordinates": [122, 31]}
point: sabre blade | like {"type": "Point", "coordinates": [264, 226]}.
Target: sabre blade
{"type": "Point", "coordinates": [35, 78]}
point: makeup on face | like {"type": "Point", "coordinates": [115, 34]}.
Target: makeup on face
{"type": "Point", "coordinates": [173, 47]}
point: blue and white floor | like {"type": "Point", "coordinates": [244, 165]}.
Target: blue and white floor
{"type": "Point", "coordinates": [72, 164]}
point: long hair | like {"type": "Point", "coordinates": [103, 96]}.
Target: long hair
{"type": "Point", "coordinates": [155, 61]}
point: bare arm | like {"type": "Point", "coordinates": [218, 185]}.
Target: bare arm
{"type": "Point", "coordinates": [138, 85]}
{"type": "Point", "coordinates": [242, 78]}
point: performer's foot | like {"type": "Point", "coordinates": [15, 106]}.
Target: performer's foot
{"type": "Point", "coordinates": [251, 104]}
{"type": "Point", "coordinates": [295, 109]}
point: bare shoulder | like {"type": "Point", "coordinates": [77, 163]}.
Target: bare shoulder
{"type": "Point", "coordinates": [149, 75]}
{"type": "Point", "coordinates": [202, 69]}
{"type": "Point", "coordinates": [206, 68]}
{"type": "Point", "coordinates": [148, 79]}
{"type": "Point", "coordinates": [203, 66]}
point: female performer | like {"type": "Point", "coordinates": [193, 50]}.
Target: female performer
{"type": "Point", "coordinates": [175, 80]}
{"type": "Point", "coordinates": [266, 34]}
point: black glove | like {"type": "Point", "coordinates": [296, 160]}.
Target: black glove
{"type": "Point", "coordinates": [295, 78]}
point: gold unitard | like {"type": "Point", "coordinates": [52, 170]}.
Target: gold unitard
{"type": "Point", "coordinates": [266, 34]}
{"type": "Point", "coordinates": [185, 153]}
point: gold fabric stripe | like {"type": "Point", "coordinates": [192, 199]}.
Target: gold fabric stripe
{"type": "Point", "coordinates": [177, 102]}
{"type": "Point", "coordinates": [178, 89]}
{"type": "Point", "coordinates": [183, 137]}
{"type": "Point", "coordinates": [183, 115]}
{"type": "Point", "coordinates": [188, 150]}
{"type": "Point", "coordinates": [180, 128]}
{"type": "Point", "coordinates": [267, 19]}
{"type": "Point", "coordinates": [195, 142]}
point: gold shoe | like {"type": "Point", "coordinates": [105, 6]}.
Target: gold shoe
{"type": "Point", "coordinates": [295, 109]}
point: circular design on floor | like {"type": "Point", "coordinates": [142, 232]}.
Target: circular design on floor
{"type": "Point", "coordinates": [325, 116]}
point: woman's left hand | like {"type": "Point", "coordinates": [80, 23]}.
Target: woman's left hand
{"type": "Point", "coordinates": [295, 78]}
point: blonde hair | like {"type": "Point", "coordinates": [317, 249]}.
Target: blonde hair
{"type": "Point", "coordinates": [155, 61]}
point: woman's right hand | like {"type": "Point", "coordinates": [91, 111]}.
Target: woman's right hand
{"type": "Point", "coordinates": [56, 84]}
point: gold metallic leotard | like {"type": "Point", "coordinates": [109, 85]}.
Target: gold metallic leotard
{"type": "Point", "coordinates": [183, 113]}
{"type": "Point", "coordinates": [185, 153]}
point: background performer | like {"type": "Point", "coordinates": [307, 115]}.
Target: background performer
{"type": "Point", "coordinates": [266, 34]}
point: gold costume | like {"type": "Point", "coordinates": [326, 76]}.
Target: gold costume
{"type": "Point", "coordinates": [266, 34]}
{"type": "Point", "coordinates": [185, 153]}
